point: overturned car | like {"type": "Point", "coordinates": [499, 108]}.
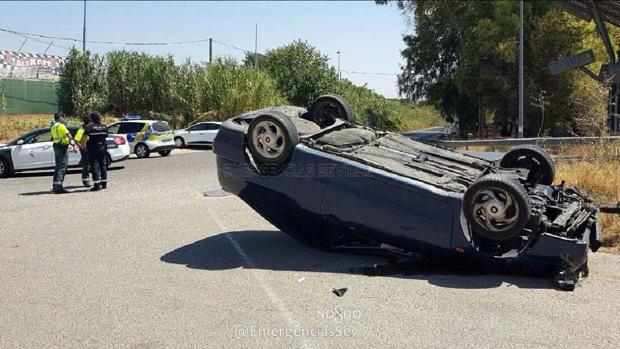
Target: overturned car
{"type": "Point", "coordinates": [338, 185]}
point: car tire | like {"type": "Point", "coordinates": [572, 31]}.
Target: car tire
{"type": "Point", "coordinates": [108, 161]}
{"type": "Point", "coordinates": [326, 109]}
{"type": "Point", "coordinates": [179, 142]}
{"type": "Point", "coordinates": [142, 151]}
{"type": "Point", "coordinates": [496, 207]}
{"type": "Point", "coordinates": [5, 170]}
{"type": "Point", "coordinates": [534, 159]}
{"type": "Point", "coordinates": [165, 152]}
{"type": "Point", "coordinates": [270, 140]}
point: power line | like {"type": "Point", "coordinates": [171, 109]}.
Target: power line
{"type": "Point", "coordinates": [103, 42]}
{"type": "Point", "coordinates": [368, 73]}
{"type": "Point", "coordinates": [34, 37]}
{"type": "Point", "coordinates": [232, 46]}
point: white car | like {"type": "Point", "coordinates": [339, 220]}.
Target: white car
{"type": "Point", "coordinates": [202, 133]}
{"type": "Point", "coordinates": [145, 136]}
{"type": "Point", "coordinates": [34, 151]}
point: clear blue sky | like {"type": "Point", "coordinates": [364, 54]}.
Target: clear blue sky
{"type": "Point", "coordinates": [368, 36]}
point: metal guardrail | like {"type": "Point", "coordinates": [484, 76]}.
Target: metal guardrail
{"type": "Point", "coordinates": [522, 141]}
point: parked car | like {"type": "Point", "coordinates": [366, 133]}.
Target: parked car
{"type": "Point", "coordinates": [33, 151]}
{"type": "Point", "coordinates": [146, 136]}
{"type": "Point", "coordinates": [202, 133]}
{"type": "Point", "coordinates": [338, 185]}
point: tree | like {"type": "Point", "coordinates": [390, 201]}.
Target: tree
{"type": "Point", "coordinates": [82, 83]}
{"type": "Point", "coordinates": [462, 57]}
{"type": "Point", "coordinates": [301, 72]}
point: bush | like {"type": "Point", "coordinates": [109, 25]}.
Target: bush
{"type": "Point", "coordinates": [301, 72]}
{"type": "Point", "coordinates": [83, 83]}
{"type": "Point", "coordinates": [229, 89]}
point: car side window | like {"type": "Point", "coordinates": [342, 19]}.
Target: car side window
{"type": "Point", "coordinates": [130, 127]}
{"type": "Point", "coordinates": [213, 127]}
{"type": "Point", "coordinates": [42, 137]}
{"type": "Point", "coordinates": [199, 127]}
{"type": "Point", "coordinates": [114, 128]}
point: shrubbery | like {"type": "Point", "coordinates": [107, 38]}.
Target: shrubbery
{"type": "Point", "coordinates": [123, 82]}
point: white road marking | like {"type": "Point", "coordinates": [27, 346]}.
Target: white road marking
{"type": "Point", "coordinates": [273, 297]}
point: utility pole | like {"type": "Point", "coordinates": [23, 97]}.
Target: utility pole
{"type": "Point", "coordinates": [339, 75]}
{"type": "Point", "coordinates": [44, 53]}
{"type": "Point", "coordinates": [19, 50]}
{"type": "Point", "coordinates": [520, 126]}
{"type": "Point", "coordinates": [210, 51]}
{"type": "Point", "coordinates": [256, 47]}
{"type": "Point", "coordinates": [84, 29]}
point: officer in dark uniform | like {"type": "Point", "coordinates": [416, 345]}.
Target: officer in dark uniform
{"type": "Point", "coordinates": [81, 141]}
{"type": "Point", "coordinates": [96, 148]}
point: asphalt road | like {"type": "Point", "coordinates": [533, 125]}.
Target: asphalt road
{"type": "Point", "coordinates": [152, 263]}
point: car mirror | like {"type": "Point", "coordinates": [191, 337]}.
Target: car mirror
{"type": "Point", "coordinates": [20, 142]}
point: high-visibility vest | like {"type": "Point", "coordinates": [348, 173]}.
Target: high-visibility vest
{"type": "Point", "coordinates": [59, 133]}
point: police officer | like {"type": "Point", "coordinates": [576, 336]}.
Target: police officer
{"type": "Point", "coordinates": [81, 141]}
{"type": "Point", "coordinates": [62, 139]}
{"type": "Point", "coordinates": [96, 148]}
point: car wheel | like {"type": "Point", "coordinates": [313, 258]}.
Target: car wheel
{"type": "Point", "coordinates": [4, 168]}
{"type": "Point", "coordinates": [496, 207]}
{"type": "Point", "coordinates": [534, 159]}
{"type": "Point", "coordinates": [142, 151]}
{"type": "Point", "coordinates": [108, 161]}
{"type": "Point", "coordinates": [326, 109]}
{"type": "Point", "coordinates": [165, 152]}
{"type": "Point", "coordinates": [179, 142]}
{"type": "Point", "coordinates": [271, 139]}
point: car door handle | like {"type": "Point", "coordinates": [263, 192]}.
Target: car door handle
{"type": "Point", "coordinates": [47, 147]}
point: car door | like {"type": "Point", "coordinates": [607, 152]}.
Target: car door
{"type": "Point", "coordinates": [211, 132]}
{"type": "Point", "coordinates": [36, 152]}
{"type": "Point", "coordinates": [195, 133]}
{"type": "Point", "coordinates": [386, 208]}
{"type": "Point", "coordinates": [129, 130]}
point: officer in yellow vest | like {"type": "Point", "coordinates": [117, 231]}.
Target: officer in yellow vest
{"type": "Point", "coordinates": [81, 140]}
{"type": "Point", "coordinates": [62, 139]}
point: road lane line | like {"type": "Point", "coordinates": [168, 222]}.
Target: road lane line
{"type": "Point", "coordinates": [273, 297]}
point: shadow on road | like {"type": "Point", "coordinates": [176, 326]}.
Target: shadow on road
{"type": "Point", "coordinates": [273, 250]}
{"type": "Point", "coordinates": [73, 170]}
{"type": "Point", "coordinates": [71, 188]}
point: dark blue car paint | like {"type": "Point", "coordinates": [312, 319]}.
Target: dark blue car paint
{"type": "Point", "coordinates": [376, 204]}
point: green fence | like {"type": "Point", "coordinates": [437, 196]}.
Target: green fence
{"type": "Point", "coordinates": [29, 96]}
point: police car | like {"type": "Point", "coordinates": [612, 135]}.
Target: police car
{"type": "Point", "coordinates": [33, 151]}
{"type": "Point", "coordinates": [146, 136]}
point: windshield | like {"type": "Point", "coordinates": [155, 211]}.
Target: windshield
{"type": "Point", "coordinates": [161, 126]}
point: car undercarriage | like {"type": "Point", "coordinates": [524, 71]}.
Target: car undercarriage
{"type": "Point", "coordinates": [383, 191]}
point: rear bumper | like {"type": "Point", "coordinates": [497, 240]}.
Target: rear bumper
{"type": "Point", "coordinates": [163, 147]}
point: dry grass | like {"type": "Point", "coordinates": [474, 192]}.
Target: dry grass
{"type": "Point", "coordinates": [12, 126]}
{"type": "Point", "coordinates": [599, 177]}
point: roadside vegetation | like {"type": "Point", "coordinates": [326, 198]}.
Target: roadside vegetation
{"type": "Point", "coordinates": [12, 126]}
{"type": "Point", "coordinates": [123, 82]}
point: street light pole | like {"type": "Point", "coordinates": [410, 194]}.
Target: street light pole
{"type": "Point", "coordinates": [520, 126]}
{"type": "Point", "coordinates": [84, 29]}
{"type": "Point", "coordinates": [339, 75]}
{"type": "Point", "coordinates": [256, 47]}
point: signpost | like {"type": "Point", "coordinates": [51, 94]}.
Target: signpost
{"type": "Point", "coordinates": [571, 62]}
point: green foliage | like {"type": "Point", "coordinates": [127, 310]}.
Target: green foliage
{"type": "Point", "coordinates": [462, 58]}
{"type": "Point", "coordinates": [83, 84]}
{"type": "Point", "coordinates": [131, 82]}
{"type": "Point", "coordinates": [230, 89]}
{"type": "Point", "coordinates": [301, 72]}
{"type": "Point", "coordinates": [139, 82]}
